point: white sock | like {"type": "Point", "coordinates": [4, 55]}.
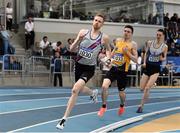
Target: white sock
{"type": "Point", "coordinates": [64, 118]}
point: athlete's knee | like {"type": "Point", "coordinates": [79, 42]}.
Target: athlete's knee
{"type": "Point", "coordinates": [105, 87]}
{"type": "Point", "coordinates": [75, 92]}
{"type": "Point", "coordinates": [76, 89]}
{"type": "Point", "coordinates": [141, 87]}
{"type": "Point", "coordinates": [146, 89]}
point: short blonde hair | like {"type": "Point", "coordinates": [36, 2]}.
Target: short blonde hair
{"type": "Point", "coordinates": [100, 14]}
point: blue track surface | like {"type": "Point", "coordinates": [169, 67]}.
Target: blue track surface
{"type": "Point", "coordinates": [39, 109]}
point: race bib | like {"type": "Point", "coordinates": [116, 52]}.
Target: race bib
{"type": "Point", "coordinates": [153, 58]}
{"type": "Point", "coordinates": [118, 57]}
{"type": "Point", "coordinates": [85, 53]}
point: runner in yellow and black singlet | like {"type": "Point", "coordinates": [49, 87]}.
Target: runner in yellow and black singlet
{"type": "Point", "coordinates": [124, 51]}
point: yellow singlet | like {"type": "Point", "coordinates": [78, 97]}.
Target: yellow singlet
{"type": "Point", "coordinates": [119, 58]}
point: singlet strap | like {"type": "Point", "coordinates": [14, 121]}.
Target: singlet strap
{"type": "Point", "coordinates": [100, 35]}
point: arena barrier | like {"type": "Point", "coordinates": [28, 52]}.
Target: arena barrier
{"type": "Point", "coordinates": [65, 67]}
{"type": "Point", "coordinates": [43, 67]}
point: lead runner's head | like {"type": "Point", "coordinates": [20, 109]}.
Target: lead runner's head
{"type": "Point", "coordinates": [98, 21]}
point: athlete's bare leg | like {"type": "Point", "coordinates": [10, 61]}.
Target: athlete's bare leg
{"type": "Point", "coordinates": [87, 90]}
{"type": "Point", "coordinates": [143, 82]}
{"type": "Point", "coordinates": [122, 96]}
{"type": "Point", "coordinates": [147, 88]}
{"type": "Point", "coordinates": [105, 86]}
{"type": "Point", "coordinates": [72, 100]}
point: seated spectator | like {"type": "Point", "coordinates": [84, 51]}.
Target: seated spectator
{"type": "Point", "coordinates": [90, 16]}
{"type": "Point", "coordinates": [57, 69]}
{"type": "Point", "coordinates": [57, 47]}
{"type": "Point", "coordinates": [172, 50]}
{"type": "Point", "coordinates": [177, 41]}
{"type": "Point", "coordinates": [44, 45]}
{"type": "Point", "coordinates": [66, 49]}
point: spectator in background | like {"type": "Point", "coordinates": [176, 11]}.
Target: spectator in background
{"type": "Point", "coordinates": [33, 11]}
{"type": "Point", "coordinates": [57, 47]}
{"type": "Point", "coordinates": [43, 45]}
{"type": "Point", "coordinates": [178, 25]}
{"type": "Point", "coordinates": [166, 19]}
{"type": "Point", "coordinates": [174, 18]}
{"type": "Point", "coordinates": [90, 16]}
{"type": "Point", "coordinates": [29, 33]}
{"type": "Point", "coordinates": [177, 42]}
{"type": "Point", "coordinates": [57, 69]}
{"type": "Point", "coordinates": [172, 51]}
{"type": "Point", "coordinates": [66, 49]}
{"type": "Point", "coordinates": [150, 19]}
{"type": "Point", "coordinates": [9, 16]}
{"type": "Point", "coordinates": [45, 6]}
{"type": "Point", "coordinates": [172, 27]}
{"type": "Point", "coordinates": [156, 19]}
{"type": "Point", "coordinates": [5, 38]}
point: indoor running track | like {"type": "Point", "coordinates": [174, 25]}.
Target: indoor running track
{"type": "Point", "coordinates": [39, 109]}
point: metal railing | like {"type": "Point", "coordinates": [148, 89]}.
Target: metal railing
{"type": "Point", "coordinates": [63, 66]}
{"type": "Point", "coordinates": [44, 67]}
{"type": "Point", "coordinates": [13, 65]}
{"type": "Point", "coordinates": [175, 76]}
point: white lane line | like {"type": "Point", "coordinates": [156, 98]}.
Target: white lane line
{"type": "Point", "coordinates": [34, 93]}
{"type": "Point", "coordinates": [40, 99]}
{"type": "Point", "coordinates": [58, 91]}
{"type": "Point", "coordinates": [115, 99]}
{"type": "Point", "coordinates": [174, 130]}
{"type": "Point", "coordinates": [39, 124]}
{"type": "Point", "coordinates": [17, 111]}
{"type": "Point", "coordinates": [42, 92]}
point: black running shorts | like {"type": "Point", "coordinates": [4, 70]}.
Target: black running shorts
{"type": "Point", "coordinates": [115, 74]}
{"type": "Point", "coordinates": [84, 72]}
{"type": "Point", "coordinates": [151, 69]}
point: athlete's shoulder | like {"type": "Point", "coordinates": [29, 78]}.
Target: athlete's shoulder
{"type": "Point", "coordinates": [149, 42]}
{"type": "Point", "coordinates": [165, 45]}
{"type": "Point", "coordinates": [83, 31]}
{"type": "Point", "coordinates": [119, 39]}
{"type": "Point", "coordinates": [105, 36]}
{"type": "Point", "coordinates": [134, 44]}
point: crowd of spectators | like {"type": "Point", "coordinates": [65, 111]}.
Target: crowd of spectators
{"type": "Point", "coordinates": [172, 28]}
{"type": "Point", "coordinates": [55, 50]}
{"type": "Point", "coordinates": [59, 54]}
